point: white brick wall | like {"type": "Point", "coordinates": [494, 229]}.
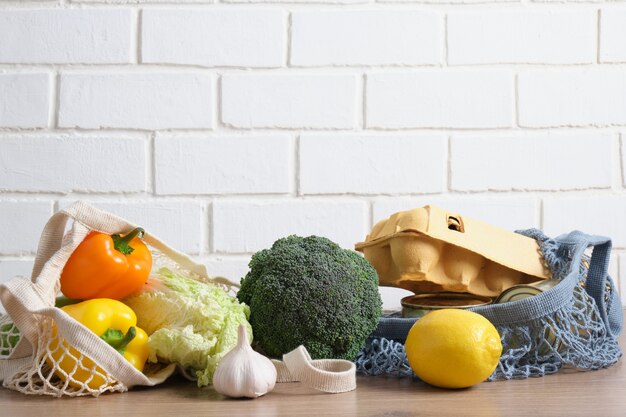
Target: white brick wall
{"type": "Point", "coordinates": [289, 101]}
{"type": "Point", "coordinates": [612, 35]}
{"type": "Point", "coordinates": [516, 36]}
{"type": "Point", "coordinates": [572, 97]}
{"type": "Point", "coordinates": [65, 36]}
{"type": "Point", "coordinates": [531, 162]}
{"type": "Point", "coordinates": [11, 268]}
{"type": "Point", "coordinates": [136, 100]}
{"type": "Point", "coordinates": [24, 100]}
{"type": "Point", "coordinates": [601, 215]}
{"type": "Point", "coordinates": [69, 163]}
{"type": "Point", "coordinates": [214, 38]}
{"type": "Point", "coordinates": [334, 164]}
{"type": "Point", "coordinates": [442, 98]}
{"type": "Point", "coordinates": [19, 236]}
{"type": "Point", "coordinates": [221, 125]}
{"type": "Point", "coordinates": [179, 223]}
{"type": "Point", "coordinates": [370, 37]}
{"type": "Point", "coordinates": [248, 226]}
{"type": "Point", "coordinates": [223, 165]}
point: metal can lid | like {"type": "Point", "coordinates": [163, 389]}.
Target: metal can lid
{"type": "Point", "coordinates": [517, 292]}
{"type": "Point", "coordinates": [440, 300]}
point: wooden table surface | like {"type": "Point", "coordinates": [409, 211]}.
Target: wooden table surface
{"type": "Point", "coordinates": [568, 393]}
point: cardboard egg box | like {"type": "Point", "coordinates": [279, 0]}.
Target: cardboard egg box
{"type": "Point", "coordinates": [430, 249]}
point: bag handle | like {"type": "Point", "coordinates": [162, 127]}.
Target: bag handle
{"type": "Point", "coordinates": [327, 375]}
{"type": "Point", "coordinates": [599, 284]}
{"type": "Point", "coordinates": [101, 221]}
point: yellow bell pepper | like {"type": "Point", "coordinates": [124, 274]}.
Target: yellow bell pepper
{"type": "Point", "coordinates": [115, 323]}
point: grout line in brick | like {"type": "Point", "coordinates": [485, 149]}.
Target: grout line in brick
{"type": "Point", "coordinates": [139, 132]}
{"type": "Point", "coordinates": [55, 93]}
{"type": "Point", "coordinates": [289, 39]}
{"type": "Point", "coordinates": [151, 164]}
{"type": "Point", "coordinates": [304, 70]}
{"type": "Point", "coordinates": [364, 102]}
{"type": "Point", "coordinates": [21, 257]}
{"type": "Point", "coordinates": [208, 245]}
{"type": "Point", "coordinates": [217, 103]}
{"type": "Point", "coordinates": [540, 214]}
{"type": "Point", "coordinates": [296, 166]}
{"type": "Point", "coordinates": [138, 37]}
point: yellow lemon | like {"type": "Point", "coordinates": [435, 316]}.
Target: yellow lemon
{"type": "Point", "coordinates": [453, 348]}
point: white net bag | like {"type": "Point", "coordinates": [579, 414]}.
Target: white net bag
{"type": "Point", "coordinates": [45, 351]}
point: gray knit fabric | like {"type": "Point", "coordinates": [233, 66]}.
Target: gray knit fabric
{"type": "Point", "coordinates": [574, 324]}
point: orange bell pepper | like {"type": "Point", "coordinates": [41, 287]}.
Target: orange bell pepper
{"type": "Point", "coordinates": [104, 266]}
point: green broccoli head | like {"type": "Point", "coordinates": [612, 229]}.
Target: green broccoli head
{"type": "Point", "coordinates": [309, 291]}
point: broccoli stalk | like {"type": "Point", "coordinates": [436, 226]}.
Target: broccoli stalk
{"type": "Point", "coordinates": [309, 291]}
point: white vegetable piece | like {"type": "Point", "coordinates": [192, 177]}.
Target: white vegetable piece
{"type": "Point", "coordinates": [242, 372]}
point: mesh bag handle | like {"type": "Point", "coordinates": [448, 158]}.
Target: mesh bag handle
{"type": "Point", "coordinates": [601, 287]}
{"type": "Point", "coordinates": [553, 299]}
{"type": "Point", "coordinates": [28, 301]}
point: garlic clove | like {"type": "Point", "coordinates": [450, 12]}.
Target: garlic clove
{"type": "Point", "coordinates": [242, 372]}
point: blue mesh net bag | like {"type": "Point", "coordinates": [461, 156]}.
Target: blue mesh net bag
{"type": "Point", "coordinates": [574, 324]}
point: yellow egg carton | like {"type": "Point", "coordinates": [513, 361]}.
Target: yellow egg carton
{"type": "Point", "coordinates": [430, 249]}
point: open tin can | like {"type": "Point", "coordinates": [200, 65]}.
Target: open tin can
{"type": "Point", "coordinates": [418, 305]}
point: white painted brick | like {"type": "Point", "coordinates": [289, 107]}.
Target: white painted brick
{"type": "Point", "coordinates": [136, 100]}
{"type": "Point", "coordinates": [65, 36]}
{"type": "Point", "coordinates": [52, 163]}
{"type": "Point", "coordinates": [10, 269]}
{"type": "Point", "coordinates": [442, 98]}
{"type": "Point", "coordinates": [623, 149]}
{"type": "Point", "coordinates": [572, 97]}
{"type": "Point", "coordinates": [224, 164]}
{"type": "Point", "coordinates": [531, 162]}
{"type": "Point", "coordinates": [600, 215]}
{"type": "Point", "coordinates": [21, 223]}
{"type": "Point", "coordinates": [613, 35]}
{"type": "Point", "coordinates": [232, 268]}
{"type": "Point", "coordinates": [177, 223]}
{"type": "Point", "coordinates": [519, 36]}
{"type": "Point", "coordinates": [372, 164]}
{"type": "Point", "coordinates": [289, 101]}
{"type": "Point", "coordinates": [214, 37]}
{"type": "Point", "coordinates": [366, 37]}
{"type": "Point", "coordinates": [241, 226]}
{"type": "Point", "coordinates": [509, 213]}
{"type": "Point", "coordinates": [24, 100]}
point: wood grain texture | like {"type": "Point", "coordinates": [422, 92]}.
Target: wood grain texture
{"type": "Point", "coordinates": [568, 393]}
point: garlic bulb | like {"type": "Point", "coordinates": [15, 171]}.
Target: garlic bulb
{"type": "Point", "coordinates": [242, 372]}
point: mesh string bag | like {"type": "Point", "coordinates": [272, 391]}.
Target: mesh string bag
{"type": "Point", "coordinates": [574, 324]}
{"type": "Point", "coordinates": [45, 351]}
